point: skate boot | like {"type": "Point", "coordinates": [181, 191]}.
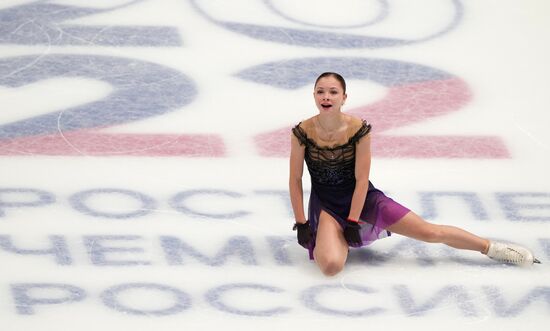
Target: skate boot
{"type": "Point", "coordinates": [511, 254]}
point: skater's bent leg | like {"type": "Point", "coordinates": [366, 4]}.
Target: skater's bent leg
{"type": "Point", "coordinates": [413, 226]}
{"type": "Point", "coordinates": [331, 248]}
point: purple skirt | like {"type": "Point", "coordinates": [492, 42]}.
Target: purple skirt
{"type": "Point", "coordinates": [379, 211]}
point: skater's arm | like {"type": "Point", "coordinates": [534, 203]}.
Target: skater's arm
{"type": "Point", "coordinates": [297, 152]}
{"type": "Point", "coordinates": [362, 171]}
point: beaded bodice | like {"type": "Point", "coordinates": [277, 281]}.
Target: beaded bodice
{"type": "Point", "coordinates": [331, 165]}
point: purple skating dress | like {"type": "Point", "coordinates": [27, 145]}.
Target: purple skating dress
{"type": "Point", "coordinates": [332, 171]}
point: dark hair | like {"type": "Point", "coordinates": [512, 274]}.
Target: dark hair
{"type": "Point", "coordinates": [335, 75]}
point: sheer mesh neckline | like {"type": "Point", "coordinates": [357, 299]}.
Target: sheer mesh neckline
{"type": "Point", "coordinates": [352, 140]}
{"type": "Point", "coordinates": [331, 165]}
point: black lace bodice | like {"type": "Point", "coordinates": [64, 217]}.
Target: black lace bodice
{"type": "Point", "coordinates": [331, 165]}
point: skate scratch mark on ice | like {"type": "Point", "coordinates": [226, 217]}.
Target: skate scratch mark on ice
{"type": "Point", "coordinates": [283, 31]}
{"type": "Point", "coordinates": [125, 151]}
{"type": "Point", "coordinates": [47, 51]}
{"type": "Point", "coordinates": [533, 137]}
{"type": "Point", "coordinates": [64, 138]}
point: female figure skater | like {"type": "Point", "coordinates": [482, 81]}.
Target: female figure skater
{"type": "Point", "coordinates": [345, 209]}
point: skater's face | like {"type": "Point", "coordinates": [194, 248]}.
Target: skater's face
{"type": "Point", "coordinates": [329, 94]}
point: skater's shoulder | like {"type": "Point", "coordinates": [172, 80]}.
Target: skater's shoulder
{"type": "Point", "coordinates": [306, 126]}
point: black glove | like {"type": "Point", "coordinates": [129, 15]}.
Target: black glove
{"type": "Point", "coordinates": [304, 233]}
{"type": "Point", "coordinates": [351, 233]}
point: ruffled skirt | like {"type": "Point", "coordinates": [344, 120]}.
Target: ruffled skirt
{"type": "Point", "coordinates": [379, 211]}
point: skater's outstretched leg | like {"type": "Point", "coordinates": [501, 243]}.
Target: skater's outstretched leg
{"type": "Point", "coordinates": [413, 226]}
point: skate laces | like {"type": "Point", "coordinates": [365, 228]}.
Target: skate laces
{"type": "Point", "coordinates": [509, 255]}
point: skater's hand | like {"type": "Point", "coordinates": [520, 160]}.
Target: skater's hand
{"type": "Point", "coordinates": [351, 232]}
{"type": "Point", "coordinates": [304, 233]}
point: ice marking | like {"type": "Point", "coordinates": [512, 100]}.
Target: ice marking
{"type": "Point", "coordinates": [98, 250]}
{"type": "Point", "coordinates": [42, 198]}
{"type": "Point", "coordinates": [126, 250]}
{"type": "Point", "coordinates": [323, 38]}
{"type": "Point", "coordinates": [502, 309]}
{"type": "Point", "coordinates": [241, 246]}
{"type": "Point", "coordinates": [111, 298]}
{"type": "Point", "coordinates": [471, 199]}
{"type": "Point", "coordinates": [415, 93]}
{"type": "Point", "coordinates": [115, 223]}
{"type": "Point", "coordinates": [516, 206]}
{"type": "Point", "coordinates": [216, 298]}
{"type": "Point", "coordinates": [59, 249]}
{"type": "Point", "coordinates": [25, 301]}
{"type": "Point", "coordinates": [141, 90]}
{"type": "Point", "coordinates": [382, 14]}
{"type": "Point", "coordinates": [451, 292]}
{"type": "Point", "coordinates": [158, 300]}
{"type": "Point", "coordinates": [517, 210]}
{"type": "Point", "coordinates": [310, 300]}
{"type": "Point", "coordinates": [79, 202]}
{"type": "Point", "coordinates": [177, 203]}
{"type": "Point", "coordinates": [21, 24]}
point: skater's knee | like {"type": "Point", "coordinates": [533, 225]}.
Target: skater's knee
{"type": "Point", "coordinates": [330, 266]}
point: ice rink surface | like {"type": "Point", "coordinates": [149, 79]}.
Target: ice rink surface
{"type": "Point", "coordinates": [143, 162]}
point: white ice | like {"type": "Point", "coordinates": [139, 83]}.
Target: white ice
{"type": "Point", "coordinates": [153, 242]}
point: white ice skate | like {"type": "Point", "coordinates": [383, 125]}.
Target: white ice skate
{"type": "Point", "coordinates": [511, 254]}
